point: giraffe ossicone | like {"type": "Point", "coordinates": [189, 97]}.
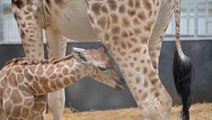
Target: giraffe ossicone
{"type": "Point", "coordinates": [25, 82]}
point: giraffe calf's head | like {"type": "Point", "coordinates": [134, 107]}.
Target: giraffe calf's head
{"type": "Point", "coordinates": [98, 66]}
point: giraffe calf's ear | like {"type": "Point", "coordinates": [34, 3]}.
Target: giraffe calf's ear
{"type": "Point", "coordinates": [78, 54]}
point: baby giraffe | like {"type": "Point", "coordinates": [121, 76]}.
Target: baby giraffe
{"type": "Point", "coordinates": [24, 82]}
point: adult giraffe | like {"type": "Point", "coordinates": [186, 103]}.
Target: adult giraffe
{"type": "Point", "coordinates": [132, 30]}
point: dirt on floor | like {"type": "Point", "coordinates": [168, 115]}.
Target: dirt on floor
{"type": "Point", "coordinates": [197, 112]}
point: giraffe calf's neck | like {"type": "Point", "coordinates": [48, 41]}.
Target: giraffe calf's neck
{"type": "Point", "coordinates": [24, 82]}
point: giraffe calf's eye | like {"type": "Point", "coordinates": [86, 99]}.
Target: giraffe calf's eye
{"type": "Point", "coordinates": [103, 68]}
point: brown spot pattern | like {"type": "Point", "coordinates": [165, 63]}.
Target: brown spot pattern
{"type": "Point", "coordinates": [112, 4]}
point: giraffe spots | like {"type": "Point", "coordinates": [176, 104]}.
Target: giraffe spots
{"type": "Point", "coordinates": [32, 69]}
{"type": "Point", "coordinates": [19, 78]}
{"type": "Point", "coordinates": [142, 61]}
{"type": "Point", "coordinates": [17, 15]}
{"type": "Point", "coordinates": [53, 85]}
{"type": "Point", "coordinates": [122, 9]}
{"type": "Point", "coordinates": [131, 13]}
{"type": "Point", "coordinates": [130, 74]}
{"type": "Point", "coordinates": [25, 89]}
{"type": "Point", "coordinates": [122, 53]}
{"type": "Point", "coordinates": [158, 3]}
{"type": "Point", "coordinates": [153, 81]}
{"type": "Point", "coordinates": [148, 62]}
{"type": "Point", "coordinates": [17, 69]}
{"type": "Point", "coordinates": [139, 91]}
{"type": "Point", "coordinates": [124, 34]}
{"type": "Point", "coordinates": [144, 96]}
{"type": "Point", "coordinates": [136, 50]}
{"type": "Point", "coordinates": [66, 81]}
{"type": "Point", "coordinates": [146, 83]}
{"type": "Point", "coordinates": [141, 16]}
{"type": "Point", "coordinates": [43, 81]}
{"type": "Point", "coordinates": [145, 70]}
{"type": "Point", "coordinates": [25, 112]}
{"type": "Point", "coordinates": [96, 8]}
{"type": "Point", "coordinates": [12, 80]}
{"type": "Point", "coordinates": [150, 13]}
{"type": "Point", "coordinates": [104, 9]}
{"type": "Point", "coordinates": [138, 80]}
{"type": "Point", "coordinates": [39, 70]}
{"type": "Point", "coordinates": [132, 64]}
{"type": "Point", "coordinates": [106, 36]}
{"type": "Point", "coordinates": [59, 2]}
{"type": "Point", "coordinates": [29, 17]}
{"type": "Point", "coordinates": [48, 2]}
{"type": "Point", "coordinates": [153, 73]}
{"type": "Point", "coordinates": [16, 111]}
{"type": "Point", "coordinates": [37, 87]}
{"type": "Point", "coordinates": [147, 4]}
{"type": "Point", "coordinates": [79, 76]}
{"type": "Point", "coordinates": [65, 71]}
{"type": "Point", "coordinates": [22, 33]}
{"type": "Point", "coordinates": [50, 70]}
{"type": "Point", "coordinates": [137, 4]}
{"type": "Point", "coordinates": [136, 97]}
{"type": "Point", "coordinates": [3, 82]}
{"type": "Point", "coordinates": [112, 4]}
{"type": "Point", "coordinates": [156, 94]}
{"type": "Point", "coordinates": [7, 107]}
{"type": "Point", "coordinates": [144, 39]}
{"type": "Point", "coordinates": [137, 31]}
{"type": "Point", "coordinates": [115, 39]}
{"type": "Point", "coordinates": [73, 79]}
{"type": "Point", "coordinates": [114, 18]}
{"type": "Point", "coordinates": [148, 26]}
{"type": "Point", "coordinates": [116, 30]}
{"type": "Point", "coordinates": [16, 97]}
{"type": "Point", "coordinates": [18, 3]}
{"type": "Point", "coordinates": [130, 3]}
{"type": "Point", "coordinates": [129, 45]}
{"type": "Point", "coordinates": [145, 51]}
{"type": "Point", "coordinates": [125, 65]}
{"type": "Point", "coordinates": [125, 22]}
{"type": "Point", "coordinates": [102, 22]}
{"type": "Point", "coordinates": [137, 69]}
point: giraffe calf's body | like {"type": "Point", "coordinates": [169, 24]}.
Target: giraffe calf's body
{"type": "Point", "coordinates": [25, 82]}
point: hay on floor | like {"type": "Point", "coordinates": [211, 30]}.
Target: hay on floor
{"type": "Point", "coordinates": [197, 112]}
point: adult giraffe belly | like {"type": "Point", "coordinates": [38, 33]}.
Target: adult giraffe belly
{"type": "Point", "coordinates": [72, 20]}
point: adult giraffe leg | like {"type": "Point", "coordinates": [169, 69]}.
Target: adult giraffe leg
{"type": "Point", "coordinates": [56, 45]}
{"type": "Point", "coordinates": [156, 39]}
{"type": "Point", "coordinates": [127, 39]}
{"type": "Point", "coordinates": [30, 22]}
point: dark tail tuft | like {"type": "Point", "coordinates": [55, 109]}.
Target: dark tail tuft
{"type": "Point", "coordinates": [183, 73]}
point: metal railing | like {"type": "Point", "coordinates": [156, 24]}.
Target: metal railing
{"type": "Point", "coordinates": [196, 21]}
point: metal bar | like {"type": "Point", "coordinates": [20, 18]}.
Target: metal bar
{"type": "Point", "coordinates": [196, 19]}
{"type": "Point", "coordinates": [1, 21]}
{"type": "Point", "coordinates": [206, 18]}
{"type": "Point", "coordinates": [188, 18]}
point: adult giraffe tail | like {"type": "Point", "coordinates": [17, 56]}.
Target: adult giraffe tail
{"type": "Point", "coordinates": [183, 71]}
